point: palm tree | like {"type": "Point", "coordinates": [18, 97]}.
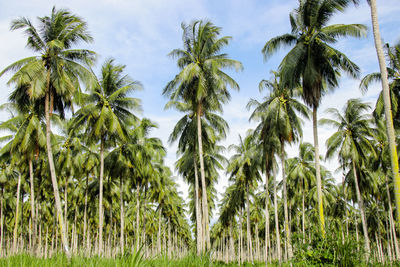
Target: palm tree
{"type": "Point", "coordinates": [243, 168]}
{"type": "Point", "coordinates": [53, 75]}
{"type": "Point", "coordinates": [279, 110]}
{"type": "Point", "coordinates": [352, 143]}
{"type": "Point", "coordinates": [107, 116]}
{"type": "Point", "coordinates": [313, 63]}
{"type": "Point", "coordinates": [202, 83]}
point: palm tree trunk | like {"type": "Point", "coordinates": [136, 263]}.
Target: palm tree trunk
{"type": "Point", "coordinates": [318, 173]}
{"type": "Point", "coordinates": [100, 240]}
{"type": "Point", "coordinates": [17, 215]}
{"type": "Point", "coordinates": [159, 232]}
{"type": "Point", "coordinates": [362, 212]}
{"type": "Point", "coordinates": [199, 235]}
{"type": "Point", "coordinates": [266, 214]}
{"type": "Point", "coordinates": [1, 222]}
{"type": "Point", "coordinates": [32, 197]}
{"type": "Point", "coordinates": [60, 218]}
{"type": "Point", "coordinates": [66, 206]}
{"type": "Point", "coordinates": [285, 205]}
{"type": "Point", "coordinates": [121, 202]}
{"type": "Point", "coordinates": [303, 227]}
{"type": "Point", "coordinates": [85, 212]}
{"type": "Point", "coordinates": [249, 243]}
{"type": "Point", "coordinates": [203, 179]}
{"type": "Point", "coordinates": [137, 217]}
{"type": "Point", "coordinates": [278, 240]}
{"type": "Point", "coordinates": [391, 222]}
{"type": "Point", "coordinates": [387, 106]}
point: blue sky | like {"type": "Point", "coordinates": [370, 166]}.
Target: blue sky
{"type": "Point", "coordinates": [140, 34]}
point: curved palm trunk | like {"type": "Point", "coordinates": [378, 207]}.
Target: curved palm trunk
{"type": "Point", "coordinates": [121, 202]}
{"type": "Point", "coordinates": [203, 180]}
{"type": "Point", "coordinates": [318, 173]}
{"type": "Point", "coordinates": [278, 239]}
{"type": "Point", "coordinates": [266, 216]}
{"type": "Point", "coordinates": [249, 243]}
{"type": "Point", "coordinates": [101, 196]}
{"type": "Point", "coordinates": [32, 197]}
{"type": "Point", "coordinates": [362, 212]}
{"type": "Point", "coordinates": [60, 218]}
{"type": "Point", "coordinates": [387, 105]}
{"type": "Point", "coordinates": [199, 236]}
{"type": "Point", "coordinates": [17, 215]}
{"type": "Point", "coordinates": [285, 206]}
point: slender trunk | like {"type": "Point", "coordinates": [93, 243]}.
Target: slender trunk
{"type": "Point", "coordinates": [203, 179]}
{"type": "Point", "coordinates": [387, 106]}
{"type": "Point", "coordinates": [278, 240]}
{"type": "Point", "coordinates": [60, 218]}
{"type": "Point", "coordinates": [85, 211]}
{"type": "Point", "coordinates": [121, 202]}
{"type": "Point", "coordinates": [240, 237]}
{"type": "Point", "coordinates": [249, 243]}
{"type": "Point", "coordinates": [100, 240]}
{"type": "Point", "coordinates": [285, 205]}
{"type": "Point", "coordinates": [159, 232]}
{"type": "Point", "coordinates": [66, 207]}
{"type": "Point", "coordinates": [266, 214]}
{"type": "Point", "coordinates": [303, 226]}
{"type": "Point", "coordinates": [318, 173]}
{"type": "Point", "coordinates": [32, 198]}
{"type": "Point", "coordinates": [355, 220]}
{"type": "Point", "coordinates": [1, 222]}
{"type": "Point", "coordinates": [362, 212]}
{"type": "Point", "coordinates": [17, 214]}
{"type": "Point", "coordinates": [137, 217]}
{"type": "Point", "coordinates": [199, 235]}
{"type": "Point", "coordinates": [392, 226]}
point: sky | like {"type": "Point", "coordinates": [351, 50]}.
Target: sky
{"type": "Point", "coordinates": [140, 34]}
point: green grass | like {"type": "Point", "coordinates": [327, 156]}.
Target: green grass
{"type": "Point", "coordinates": [61, 260]}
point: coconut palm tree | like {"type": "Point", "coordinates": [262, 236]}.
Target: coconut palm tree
{"type": "Point", "coordinates": [107, 116]}
{"type": "Point", "coordinates": [53, 75]}
{"type": "Point", "coordinates": [352, 142]}
{"type": "Point", "coordinates": [244, 171]}
{"type": "Point", "coordinates": [279, 110]}
{"type": "Point", "coordinates": [202, 83]}
{"type": "Point", "coordinates": [313, 63]}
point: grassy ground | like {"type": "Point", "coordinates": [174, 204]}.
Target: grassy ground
{"type": "Point", "coordinates": [131, 261]}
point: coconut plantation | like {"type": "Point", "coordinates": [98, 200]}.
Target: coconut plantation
{"type": "Point", "coordinates": [200, 133]}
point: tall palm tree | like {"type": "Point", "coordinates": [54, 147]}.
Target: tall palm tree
{"type": "Point", "coordinates": [202, 82]}
{"type": "Point", "coordinates": [352, 143]}
{"type": "Point", "coordinates": [313, 63]}
{"type": "Point", "coordinates": [244, 170]}
{"type": "Point", "coordinates": [53, 75]}
{"type": "Point", "coordinates": [107, 116]}
{"type": "Point", "coordinates": [279, 110]}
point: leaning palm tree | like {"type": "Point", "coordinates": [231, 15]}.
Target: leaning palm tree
{"type": "Point", "coordinates": [313, 63]}
{"type": "Point", "coordinates": [353, 144]}
{"type": "Point", "coordinates": [107, 116]}
{"type": "Point", "coordinates": [53, 75]}
{"type": "Point", "coordinates": [202, 83]}
{"type": "Point", "coordinates": [386, 100]}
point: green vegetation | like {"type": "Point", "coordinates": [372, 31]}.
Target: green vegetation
{"type": "Point", "coordinates": [95, 188]}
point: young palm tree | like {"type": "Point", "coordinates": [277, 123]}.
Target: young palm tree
{"type": "Point", "coordinates": [202, 83]}
{"type": "Point", "coordinates": [107, 116]}
{"type": "Point", "coordinates": [53, 75]}
{"type": "Point", "coordinates": [313, 63]}
{"type": "Point", "coordinates": [352, 143]}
